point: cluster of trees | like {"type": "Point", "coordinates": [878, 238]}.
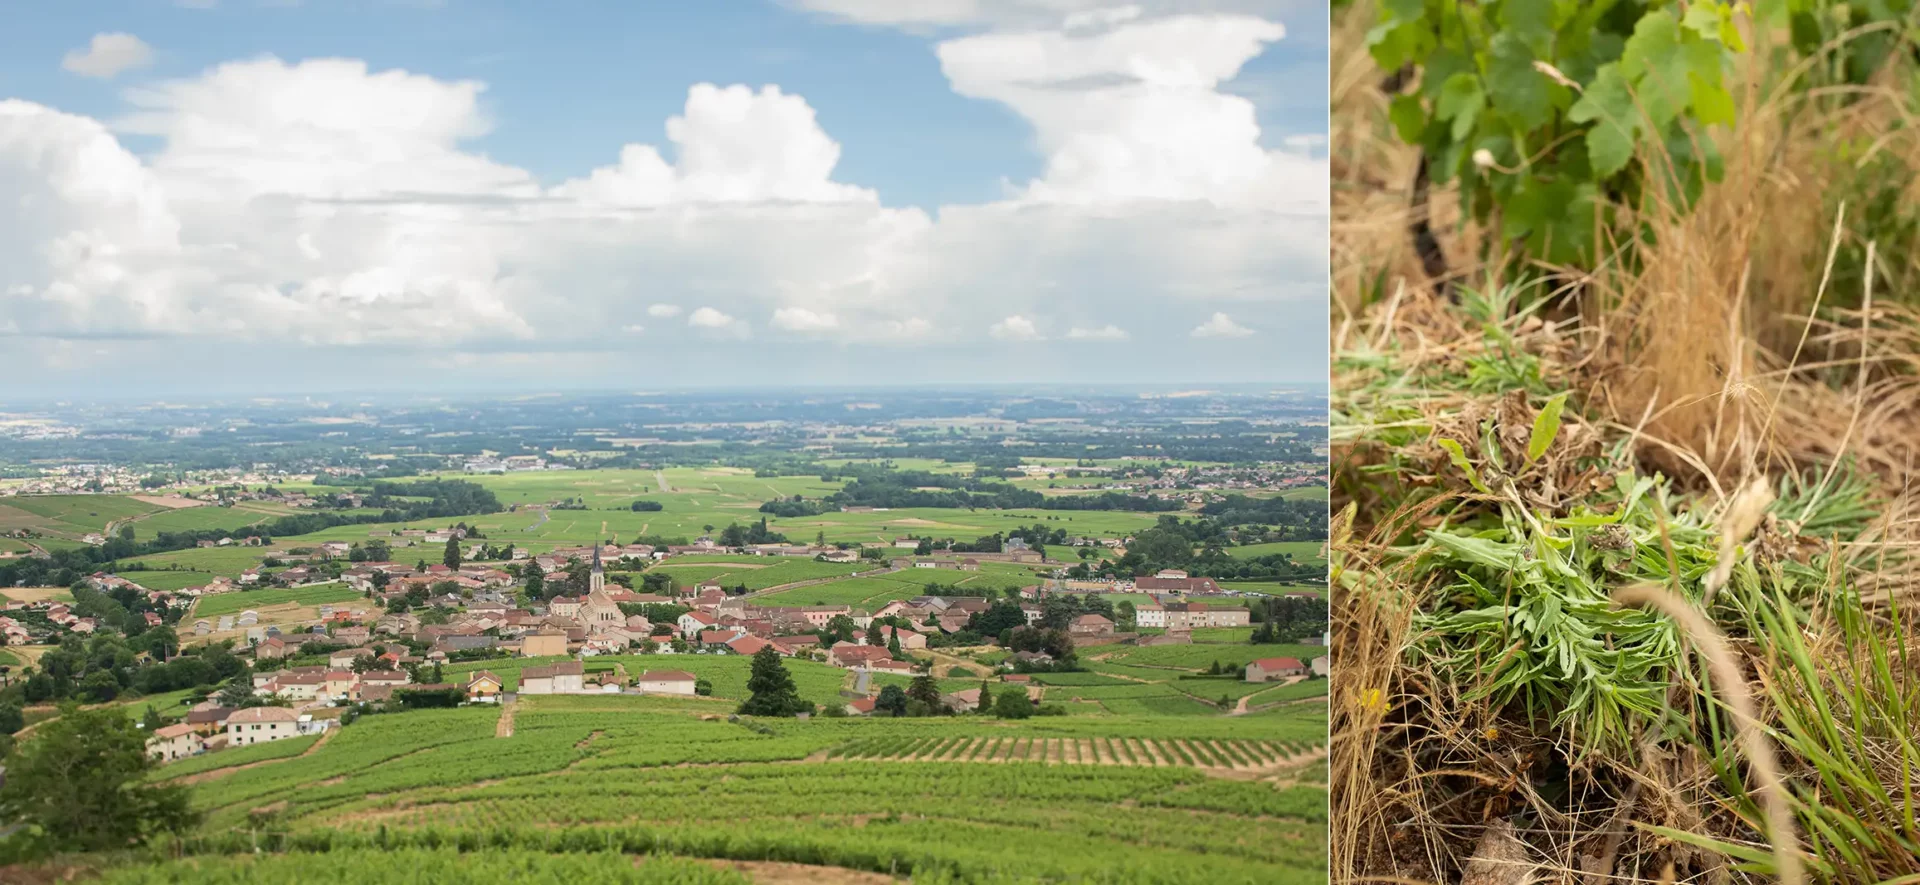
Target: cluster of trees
{"type": "Point", "coordinates": [1288, 619]}
{"type": "Point", "coordinates": [1302, 520]}
{"type": "Point", "coordinates": [647, 506]}
{"type": "Point", "coordinates": [107, 666]}
{"type": "Point", "coordinates": [755, 533]}
{"type": "Point", "coordinates": [796, 506]}
{"type": "Point", "coordinates": [876, 486]}
{"type": "Point", "coordinates": [1170, 544]}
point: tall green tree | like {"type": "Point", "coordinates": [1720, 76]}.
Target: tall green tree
{"type": "Point", "coordinates": [80, 784]}
{"type": "Point", "coordinates": [770, 688]}
{"type": "Point", "coordinates": [452, 557]}
{"type": "Point", "coordinates": [926, 691]}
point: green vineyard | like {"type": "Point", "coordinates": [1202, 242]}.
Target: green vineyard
{"type": "Point", "coordinates": [1211, 800]}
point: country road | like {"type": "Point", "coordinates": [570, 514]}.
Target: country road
{"type": "Point", "coordinates": [660, 476]}
{"type": "Point", "coordinates": [544, 516]}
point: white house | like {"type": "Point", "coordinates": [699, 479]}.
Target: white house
{"type": "Point", "coordinates": [666, 682]}
{"type": "Point", "coordinates": [256, 725]}
{"type": "Point", "coordinates": [175, 742]}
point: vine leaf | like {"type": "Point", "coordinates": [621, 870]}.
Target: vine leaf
{"type": "Point", "coordinates": [1607, 104]}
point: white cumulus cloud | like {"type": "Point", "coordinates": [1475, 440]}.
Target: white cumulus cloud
{"type": "Point", "coordinates": [663, 310]}
{"type": "Point", "coordinates": [716, 321]}
{"type": "Point", "coordinates": [1221, 326]}
{"type": "Point", "coordinates": [108, 55]}
{"type": "Point", "coordinates": [1015, 328]}
{"type": "Point", "coordinates": [1104, 333]}
{"type": "Point", "coordinates": [800, 319]}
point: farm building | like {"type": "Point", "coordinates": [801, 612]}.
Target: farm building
{"type": "Point", "coordinates": [666, 682]}
{"type": "Point", "coordinates": [560, 678]}
{"type": "Point", "coordinates": [1269, 669]}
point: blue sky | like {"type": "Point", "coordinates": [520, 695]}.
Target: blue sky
{"type": "Point", "coordinates": [567, 84]}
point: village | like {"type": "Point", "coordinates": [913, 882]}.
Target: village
{"type": "Point", "coordinates": [373, 656]}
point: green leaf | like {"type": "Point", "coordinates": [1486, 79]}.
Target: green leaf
{"type": "Point", "coordinates": [1516, 88]}
{"type": "Point", "coordinates": [1712, 103]}
{"type": "Point", "coordinates": [1409, 117]}
{"type": "Point", "coordinates": [1546, 426]}
{"type": "Point", "coordinates": [1460, 101]}
{"type": "Point", "coordinates": [1459, 457]}
{"type": "Point", "coordinates": [1607, 104]}
{"type": "Point", "coordinates": [1655, 63]}
{"type": "Point", "coordinates": [1530, 22]}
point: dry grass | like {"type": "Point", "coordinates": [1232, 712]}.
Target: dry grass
{"type": "Point", "coordinates": [1722, 355]}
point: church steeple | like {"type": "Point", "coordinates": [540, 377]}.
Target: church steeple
{"type": "Point", "coordinates": [597, 580]}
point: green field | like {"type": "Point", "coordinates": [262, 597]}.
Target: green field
{"type": "Point", "coordinates": [168, 579]}
{"type": "Point", "coordinates": [229, 561]}
{"type": "Point", "coordinates": [233, 603]}
{"type": "Point", "coordinates": [643, 775]}
{"type": "Point", "coordinates": [173, 703]}
{"type": "Point", "coordinates": [211, 517]}
{"type": "Point", "coordinates": [69, 515]}
{"type": "Point", "coordinates": [1199, 656]}
{"type": "Point", "coordinates": [1302, 551]}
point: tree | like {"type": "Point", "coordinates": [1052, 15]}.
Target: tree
{"type": "Point", "coordinates": [986, 697]}
{"type": "Point", "coordinates": [81, 785]}
{"type": "Point", "coordinates": [770, 688]}
{"type": "Point", "coordinates": [893, 644]}
{"type": "Point", "coordinates": [1000, 616]}
{"type": "Point", "coordinates": [452, 557]}
{"type": "Point", "coordinates": [12, 719]}
{"type": "Point", "coordinates": [892, 700]}
{"type": "Point", "coordinates": [924, 690]}
{"type": "Point", "coordinates": [100, 687]}
{"type": "Point", "coordinates": [536, 580]}
{"type": "Point", "coordinates": [236, 694]}
{"type": "Point", "coordinates": [1013, 704]}
{"type": "Point", "coordinates": [703, 687]}
{"type": "Point", "coordinates": [840, 628]}
{"type": "Point", "coordinates": [924, 547]}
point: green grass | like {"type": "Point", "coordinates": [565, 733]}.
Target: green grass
{"type": "Point", "coordinates": [1235, 635]}
{"type": "Point", "coordinates": [173, 703]}
{"type": "Point", "coordinates": [233, 603]}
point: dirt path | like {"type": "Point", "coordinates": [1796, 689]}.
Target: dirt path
{"type": "Point", "coordinates": [504, 728]}
{"type": "Point", "coordinates": [544, 516]}
{"type": "Point", "coordinates": [223, 772]}
{"type": "Point", "coordinates": [660, 476]}
{"type": "Point", "coordinates": [766, 872]}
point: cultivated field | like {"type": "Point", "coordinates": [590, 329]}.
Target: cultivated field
{"type": "Point", "coordinates": [236, 602]}
{"type": "Point", "coordinates": [1210, 800]}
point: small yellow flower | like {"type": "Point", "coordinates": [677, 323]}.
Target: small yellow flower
{"type": "Point", "coordinates": [1492, 733]}
{"type": "Point", "coordinates": [1374, 700]}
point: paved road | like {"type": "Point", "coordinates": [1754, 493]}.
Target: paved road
{"type": "Point", "coordinates": [660, 476]}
